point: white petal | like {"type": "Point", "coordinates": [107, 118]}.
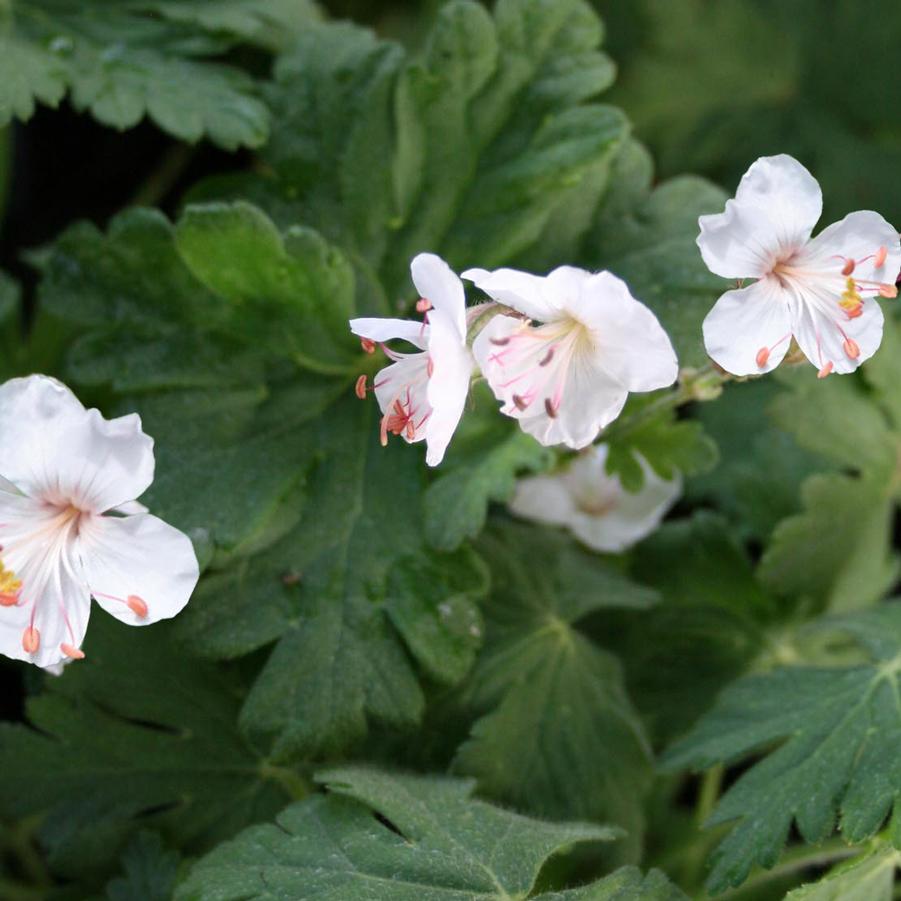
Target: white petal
{"type": "Point", "coordinates": [585, 398]}
{"type": "Point", "coordinates": [448, 385]}
{"type": "Point", "coordinates": [402, 390]}
{"type": "Point", "coordinates": [543, 498]}
{"type": "Point", "coordinates": [439, 284]}
{"type": "Point", "coordinates": [51, 447]}
{"type": "Point", "coordinates": [591, 402]}
{"type": "Point", "coordinates": [631, 344]}
{"type": "Point", "coordinates": [857, 237]}
{"type": "Point", "coordinates": [138, 556]}
{"type": "Point", "coordinates": [522, 291]}
{"type": "Point", "coordinates": [822, 335]}
{"type": "Point", "coordinates": [380, 330]}
{"type": "Point", "coordinates": [744, 321]}
{"type": "Point", "coordinates": [774, 211]}
{"type": "Point", "coordinates": [53, 598]}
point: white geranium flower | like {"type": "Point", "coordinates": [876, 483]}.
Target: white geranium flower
{"type": "Point", "coordinates": [820, 291]}
{"type": "Point", "coordinates": [594, 506]}
{"type": "Point", "coordinates": [422, 395]}
{"type": "Point", "coordinates": [568, 378]}
{"type": "Point", "coordinates": [70, 527]}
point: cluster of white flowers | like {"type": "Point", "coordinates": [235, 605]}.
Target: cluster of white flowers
{"type": "Point", "coordinates": [561, 353]}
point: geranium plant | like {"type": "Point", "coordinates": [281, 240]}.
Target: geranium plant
{"type": "Point", "coordinates": [492, 534]}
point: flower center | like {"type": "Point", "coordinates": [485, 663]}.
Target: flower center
{"type": "Point", "coordinates": [835, 291]}
{"type": "Point", "coordinates": [539, 361]}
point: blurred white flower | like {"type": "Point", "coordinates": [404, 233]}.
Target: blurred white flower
{"type": "Point", "coordinates": [422, 395]}
{"type": "Point", "coordinates": [568, 378]}
{"type": "Point", "coordinates": [820, 291]}
{"type": "Point", "coordinates": [594, 506]}
{"type": "Point", "coordinates": [69, 526]}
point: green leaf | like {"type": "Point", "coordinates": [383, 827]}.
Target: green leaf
{"type": "Point", "coordinates": [757, 480]}
{"type": "Point", "coordinates": [344, 591]}
{"type": "Point", "coordinates": [122, 66]}
{"type": "Point", "coordinates": [882, 371]}
{"type": "Point", "coordinates": [295, 293]}
{"type": "Point", "coordinates": [833, 735]}
{"type": "Point", "coordinates": [273, 24]}
{"type": "Point", "coordinates": [648, 428]}
{"type": "Point", "coordinates": [709, 629]}
{"type": "Point", "coordinates": [484, 147]}
{"type": "Point", "coordinates": [837, 552]}
{"type": "Point", "coordinates": [136, 736]}
{"type": "Point", "coordinates": [150, 871]}
{"type": "Point", "coordinates": [836, 419]}
{"type": "Point", "coordinates": [486, 455]}
{"type": "Point", "coordinates": [647, 237]}
{"type": "Point", "coordinates": [557, 735]}
{"type": "Point", "coordinates": [431, 842]}
{"type": "Point", "coordinates": [870, 877]}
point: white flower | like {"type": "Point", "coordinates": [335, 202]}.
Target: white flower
{"type": "Point", "coordinates": [566, 379]}
{"type": "Point", "coordinates": [594, 506]}
{"type": "Point", "coordinates": [820, 291]}
{"type": "Point", "coordinates": [70, 528]}
{"type": "Point", "coordinates": [422, 395]}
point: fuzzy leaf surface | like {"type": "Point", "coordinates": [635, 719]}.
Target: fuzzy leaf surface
{"type": "Point", "coordinates": [432, 842]}
{"type": "Point", "coordinates": [136, 736]}
{"type": "Point", "coordinates": [829, 737]}
{"type": "Point", "coordinates": [646, 236]}
{"type": "Point", "coordinates": [121, 66]}
{"type": "Point", "coordinates": [557, 733]}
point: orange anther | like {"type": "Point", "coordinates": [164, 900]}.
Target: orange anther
{"type": "Point", "coordinates": [8, 600]}
{"type": "Point", "coordinates": [383, 431]}
{"type": "Point", "coordinates": [367, 345]}
{"type": "Point", "coordinates": [848, 268]}
{"type": "Point", "coordinates": [825, 370]}
{"type": "Point", "coordinates": [889, 291]}
{"type": "Point", "coordinates": [763, 356]}
{"type": "Point", "coordinates": [410, 429]}
{"type": "Point", "coordinates": [360, 387]}
{"type": "Point", "coordinates": [31, 640]}
{"type": "Point", "coordinates": [138, 606]}
{"type": "Point", "coordinates": [72, 653]}
{"type": "Point", "coordinates": [880, 257]}
{"type": "Point", "coordinates": [423, 305]}
{"type": "Point", "coordinates": [855, 311]}
{"type": "Point", "coordinates": [852, 348]}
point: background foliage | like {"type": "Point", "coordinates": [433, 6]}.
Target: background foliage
{"type": "Point", "coordinates": [384, 686]}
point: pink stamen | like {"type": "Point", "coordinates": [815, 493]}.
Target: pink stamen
{"type": "Point", "coordinates": [848, 268]}
{"type": "Point", "coordinates": [825, 370]}
{"type": "Point", "coordinates": [880, 257]}
{"type": "Point", "coordinates": [423, 305]}
{"type": "Point", "coordinates": [367, 345]}
{"type": "Point", "coordinates": [71, 652]}
{"type": "Point", "coordinates": [360, 387]}
{"type": "Point", "coordinates": [851, 348]}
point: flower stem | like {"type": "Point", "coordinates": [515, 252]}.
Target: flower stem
{"type": "Point", "coordinates": [694, 385]}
